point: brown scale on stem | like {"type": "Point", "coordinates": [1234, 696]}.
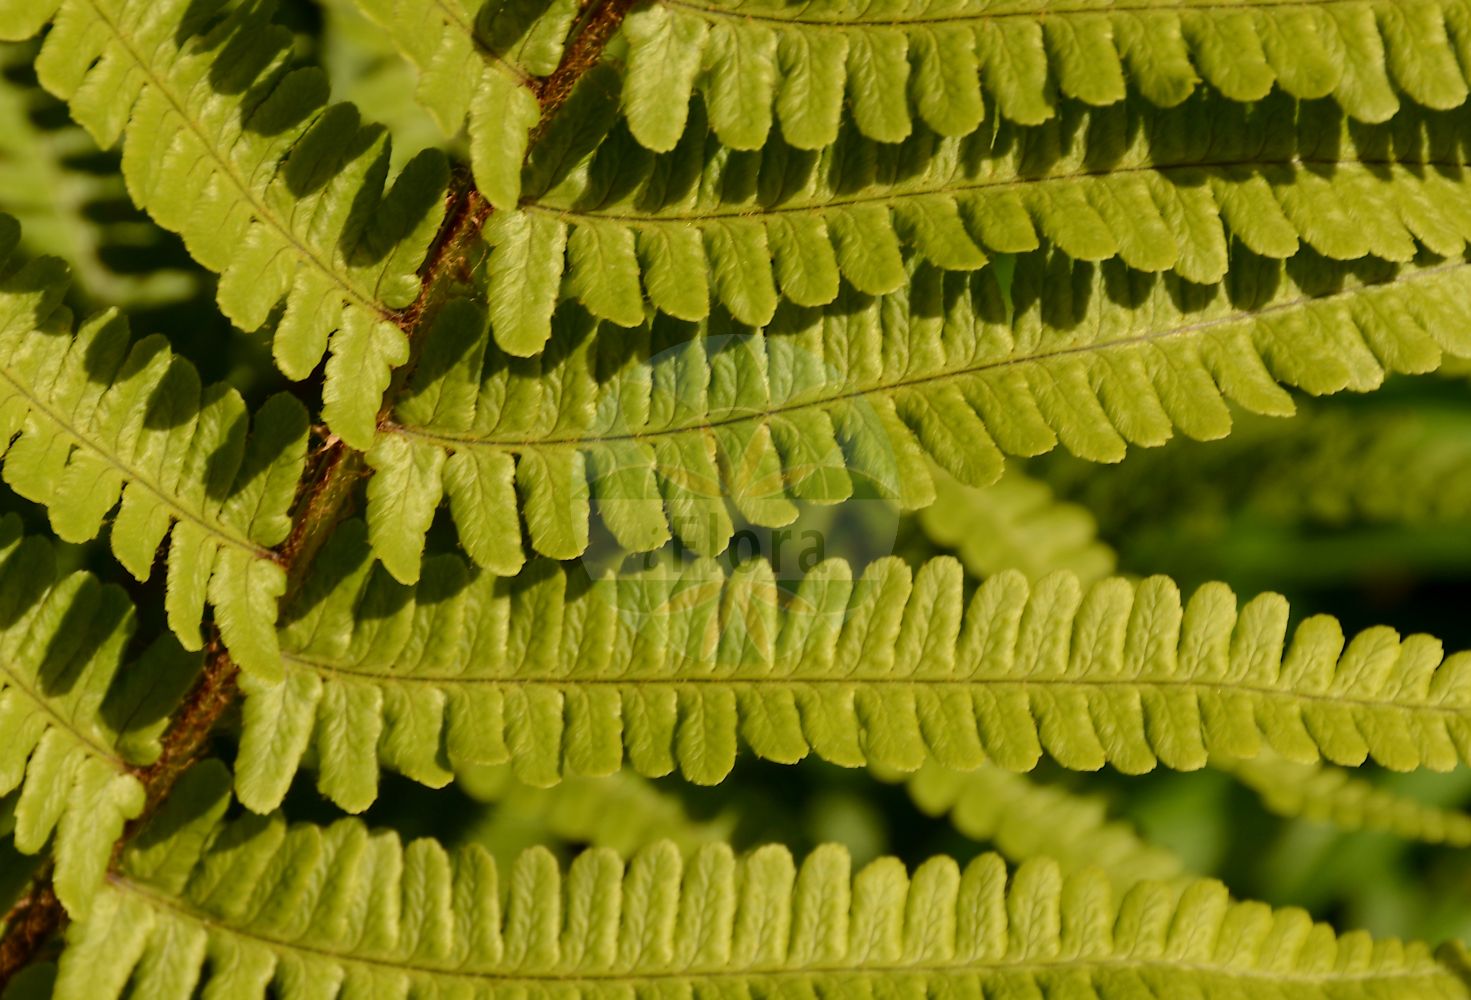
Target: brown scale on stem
{"type": "Point", "coordinates": [596, 25]}
{"type": "Point", "coordinates": [28, 925]}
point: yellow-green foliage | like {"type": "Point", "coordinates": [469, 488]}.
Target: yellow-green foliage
{"type": "Point", "coordinates": [680, 273]}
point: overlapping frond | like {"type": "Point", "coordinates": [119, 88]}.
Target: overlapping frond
{"type": "Point", "coordinates": [677, 666]}
{"type": "Point", "coordinates": [1160, 189]}
{"type": "Point", "coordinates": [893, 65]}
{"type": "Point", "coordinates": [622, 812]}
{"type": "Point", "coordinates": [304, 911]}
{"type": "Point", "coordinates": [74, 207]}
{"type": "Point", "coordinates": [1334, 795]}
{"type": "Point", "coordinates": [1015, 523]}
{"type": "Point", "coordinates": [365, 67]}
{"type": "Point", "coordinates": [1391, 463]}
{"type": "Point", "coordinates": [88, 414]}
{"type": "Point", "coordinates": [283, 195]}
{"type": "Point", "coordinates": [1348, 489]}
{"type": "Point", "coordinates": [477, 62]}
{"type": "Point", "coordinates": [1027, 819]}
{"type": "Point", "coordinates": [658, 428]}
{"type": "Point", "coordinates": [74, 719]}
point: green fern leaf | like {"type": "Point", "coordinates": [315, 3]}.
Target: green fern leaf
{"type": "Point", "coordinates": [67, 203]}
{"type": "Point", "coordinates": [296, 912]}
{"type": "Point", "coordinates": [942, 64]}
{"type": "Point", "coordinates": [1333, 795]}
{"type": "Point", "coordinates": [365, 67]}
{"type": "Point", "coordinates": [91, 414]}
{"type": "Point", "coordinates": [1015, 523]}
{"type": "Point", "coordinates": [75, 722]}
{"type": "Point", "coordinates": [1160, 189]}
{"type": "Point", "coordinates": [478, 63]}
{"type": "Point", "coordinates": [657, 428]}
{"type": "Point", "coordinates": [282, 195]}
{"type": "Point", "coordinates": [1028, 819]}
{"type": "Point", "coordinates": [1333, 466]}
{"type": "Point", "coordinates": [1344, 490]}
{"type": "Point", "coordinates": [674, 667]}
{"type": "Point", "coordinates": [622, 812]}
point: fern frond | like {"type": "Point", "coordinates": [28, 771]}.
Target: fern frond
{"type": "Point", "coordinates": [1159, 189]}
{"type": "Point", "coordinates": [1028, 819]}
{"type": "Point", "coordinates": [622, 812]}
{"type": "Point", "coordinates": [1333, 795]}
{"type": "Point", "coordinates": [932, 60]}
{"type": "Point", "coordinates": [89, 414]}
{"type": "Point", "coordinates": [658, 427]}
{"type": "Point", "coordinates": [477, 62]}
{"type": "Point", "coordinates": [69, 207]}
{"type": "Point", "coordinates": [1396, 464]}
{"type": "Point", "coordinates": [73, 720]}
{"type": "Point", "coordinates": [1351, 489]}
{"type": "Point", "coordinates": [1391, 463]}
{"type": "Point", "coordinates": [282, 195]}
{"type": "Point", "coordinates": [1015, 523]}
{"type": "Point", "coordinates": [677, 665]}
{"type": "Point", "coordinates": [304, 911]}
{"type": "Point", "coordinates": [366, 68]}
